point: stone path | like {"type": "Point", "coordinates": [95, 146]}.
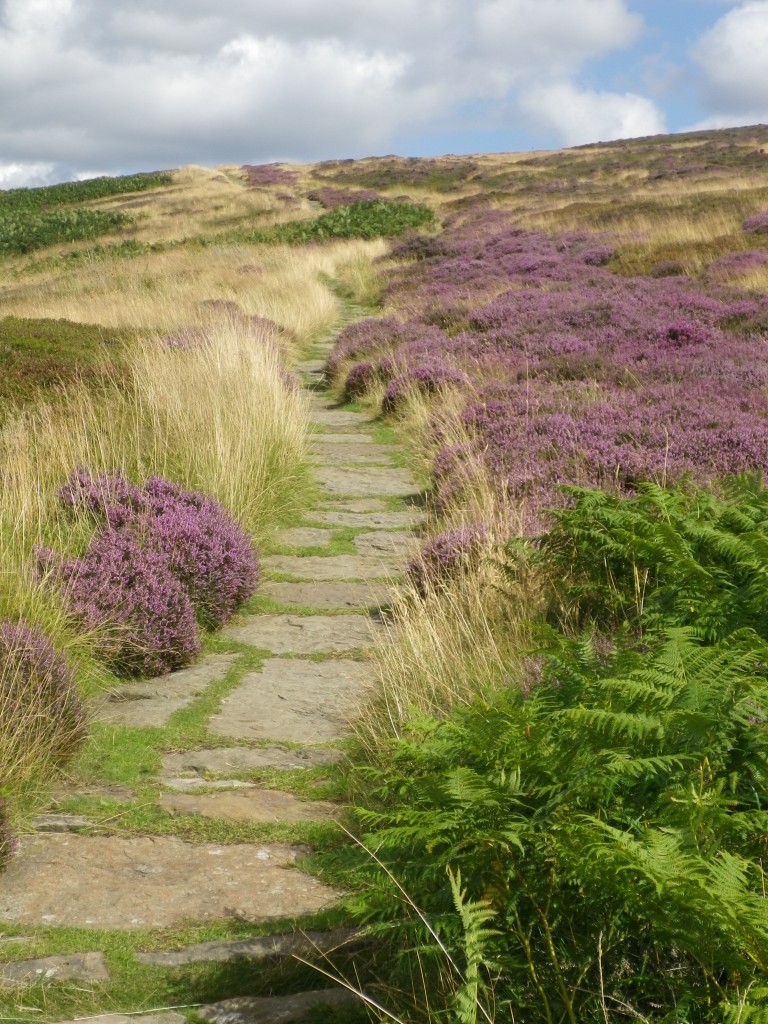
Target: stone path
{"type": "Point", "coordinates": [284, 692]}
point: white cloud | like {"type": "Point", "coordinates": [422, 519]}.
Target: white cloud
{"type": "Point", "coordinates": [21, 175]}
{"type": "Point", "coordinates": [583, 115]}
{"type": "Point", "coordinates": [733, 58]}
{"type": "Point", "coordinates": [158, 83]}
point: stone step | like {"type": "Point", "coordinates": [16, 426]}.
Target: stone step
{"type": "Point", "coordinates": [360, 483]}
{"type": "Point", "coordinates": [325, 455]}
{"type": "Point", "coordinates": [342, 439]}
{"type": "Point", "coordinates": [330, 418]}
{"type": "Point", "coordinates": [370, 520]}
{"type": "Point", "coordinates": [329, 595]}
{"type": "Point", "coordinates": [153, 882]}
{"type": "Point", "coordinates": [304, 634]}
{"type": "Point", "coordinates": [87, 967]}
{"type": "Point", "coordinates": [256, 805]}
{"type": "Point", "coordinates": [334, 567]}
{"type": "Point", "coordinates": [275, 1009]}
{"type": "Point", "coordinates": [385, 542]}
{"type": "Point", "coordinates": [303, 944]}
{"type": "Point", "coordinates": [305, 537]}
{"type": "Point", "coordinates": [152, 703]}
{"type": "Point", "coordinates": [246, 759]}
{"type": "Point", "coordinates": [293, 700]}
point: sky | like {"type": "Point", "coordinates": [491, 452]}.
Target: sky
{"type": "Point", "coordinates": [91, 87]}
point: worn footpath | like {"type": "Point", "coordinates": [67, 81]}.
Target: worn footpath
{"type": "Point", "coordinates": [226, 845]}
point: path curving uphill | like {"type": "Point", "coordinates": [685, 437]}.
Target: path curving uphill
{"type": "Point", "coordinates": [205, 841]}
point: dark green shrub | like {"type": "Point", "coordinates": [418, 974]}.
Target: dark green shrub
{"type": "Point", "coordinates": [369, 219]}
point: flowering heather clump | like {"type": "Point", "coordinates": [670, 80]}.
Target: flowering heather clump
{"type": "Point", "coordinates": [757, 224]}
{"type": "Point", "coordinates": [447, 556]}
{"type": "Point", "coordinates": [427, 379]}
{"type": "Point", "coordinates": [7, 838]}
{"type": "Point", "coordinates": [264, 175]}
{"type": "Point", "coordinates": [599, 257]}
{"type": "Point", "coordinates": [128, 594]}
{"type": "Point", "coordinates": [204, 548]}
{"type": "Point", "coordinates": [360, 379]}
{"type": "Point", "coordinates": [330, 198]}
{"type": "Point", "coordinates": [40, 706]}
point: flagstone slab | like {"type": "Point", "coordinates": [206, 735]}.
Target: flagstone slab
{"type": "Point", "coordinates": [304, 634]}
{"type": "Point", "coordinates": [330, 595]}
{"type": "Point", "coordinates": [73, 967]}
{"type": "Point", "coordinates": [290, 944]}
{"type": "Point", "coordinates": [195, 784]}
{"type": "Point", "coordinates": [342, 439]}
{"type": "Point", "coordinates": [360, 483]}
{"type": "Point", "coordinates": [257, 805]}
{"type": "Point", "coordinates": [246, 759]}
{"type": "Point", "coordinates": [349, 455]}
{"type": "Point", "coordinates": [371, 520]}
{"type": "Point", "coordinates": [305, 537]}
{"type": "Point", "coordinates": [356, 505]}
{"type": "Point", "coordinates": [334, 567]}
{"type": "Point", "coordinates": [328, 417]}
{"type": "Point", "coordinates": [275, 1009]}
{"type": "Point", "coordinates": [311, 366]}
{"type": "Point", "coordinates": [293, 700]}
{"type": "Point", "coordinates": [386, 542]}
{"type": "Point", "coordinates": [152, 703]}
{"type": "Point", "coordinates": [152, 882]}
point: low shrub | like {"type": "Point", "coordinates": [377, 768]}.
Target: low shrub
{"type": "Point", "coordinates": [367, 219]}
{"type": "Point", "coordinates": [448, 555]}
{"type": "Point", "coordinates": [757, 224]}
{"type": "Point", "coordinates": [204, 549]}
{"type": "Point", "coordinates": [42, 716]}
{"type": "Point", "coordinates": [360, 379]}
{"type": "Point", "coordinates": [426, 379]}
{"type": "Point", "coordinates": [126, 595]}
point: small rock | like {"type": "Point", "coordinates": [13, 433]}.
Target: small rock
{"type": "Point", "coordinates": [273, 1009]}
{"type": "Point", "coordinates": [304, 634]}
{"type": "Point", "coordinates": [61, 823]}
{"type": "Point", "coordinates": [302, 944]}
{"type": "Point", "coordinates": [258, 805]}
{"type": "Point", "coordinates": [73, 967]}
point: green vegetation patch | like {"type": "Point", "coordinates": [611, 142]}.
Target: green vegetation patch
{"type": "Point", "coordinates": [368, 219]}
{"type": "Point", "coordinates": [38, 356]}
{"type": "Point", "coordinates": [68, 192]}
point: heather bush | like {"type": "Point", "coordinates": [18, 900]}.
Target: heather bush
{"type": "Point", "coordinates": [447, 556]}
{"type": "Point", "coordinates": [7, 838]}
{"type": "Point", "coordinates": [757, 224]}
{"type": "Point", "coordinates": [360, 379]}
{"type": "Point", "coordinates": [204, 549]}
{"type": "Point", "coordinates": [425, 379]}
{"type": "Point", "coordinates": [42, 716]}
{"type": "Point", "coordinates": [124, 593]}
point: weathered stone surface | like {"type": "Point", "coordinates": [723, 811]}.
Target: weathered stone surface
{"type": "Point", "coordinates": [112, 793]}
{"type": "Point", "coordinates": [385, 542]}
{"type": "Point", "coordinates": [257, 805]}
{"type": "Point", "coordinates": [73, 967]}
{"type": "Point", "coordinates": [152, 703]}
{"type": "Point", "coordinates": [342, 439]}
{"type": "Point", "coordinates": [61, 823]}
{"type": "Point", "coordinates": [351, 454]}
{"type": "Point", "coordinates": [302, 944]}
{"type": "Point", "coordinates": [152, 882]}
{"type": "Point", "coordinates": [304, 634]}
{"type": "Point", "coordinates": [133, 1018]}
{"type": "Point", "coordinates": [195, 784]}
{"type": "Point", "coordinates": [311, 366]}
{"type": "Point", "coordinates": [305, 537]}
{"type": "Point", "coordinates": [371, 520]}
{"type": "Point", "coordinates": [330, 595]}
{"type": "Point", "coordinates": [329, 417]}
{"type": "Point", "coordinates": [334, 567]}
{"type": "Point", "coordinates": [363, 482]}
{"type": "Point", "coordinates": [294, 700]}
{"type": "Point", "coordinates": [273, 1009]}
{"type": "Point", "coordinates": [245, 759]}
{"type": "Point", "coordinates": [356, 505]}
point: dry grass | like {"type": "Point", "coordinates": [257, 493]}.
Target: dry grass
{"type": "Point", "coordinates": [164, 291]}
